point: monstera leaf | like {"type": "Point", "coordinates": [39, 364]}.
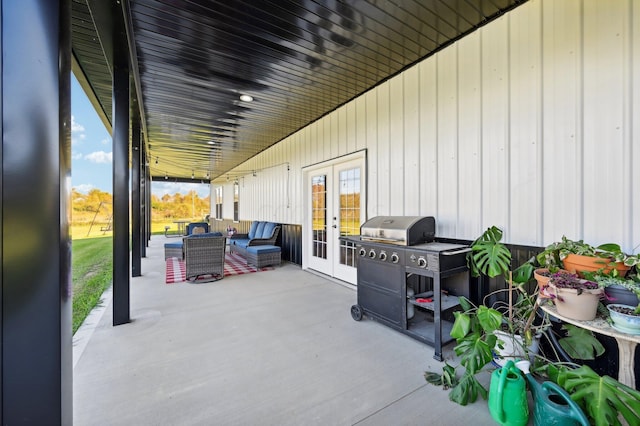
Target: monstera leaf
{"type": "Point", "coordinates": [488, 255]}
{"type": "Point", "coordinates": [601, 397]}
{"type": "Point", "coordinates": [467, 390]}
{"type": "Point", "coordinates": [580, 343]}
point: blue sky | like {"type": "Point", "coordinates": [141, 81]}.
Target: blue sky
{"type": "Point", "coordinates": [91, 152]}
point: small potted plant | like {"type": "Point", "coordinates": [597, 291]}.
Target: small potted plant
{"type": "Point", "coordinates": [574, 297]}
{"type": "Point", "coordinates": [625, 318]}
{"type": "Point", "coordinates": [580, 257]}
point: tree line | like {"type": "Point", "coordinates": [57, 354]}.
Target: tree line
{"type": "Point", "coordinates": [99, 205]}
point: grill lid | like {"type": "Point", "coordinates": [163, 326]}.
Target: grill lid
{"type": "Point", "coordinates": [402, 230]}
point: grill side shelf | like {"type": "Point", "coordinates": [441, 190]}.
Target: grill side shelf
{"type": "Point", "coordinates": [446, 301]}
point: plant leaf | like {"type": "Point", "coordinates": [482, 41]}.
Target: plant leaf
{"type": "Point", "coordinates": [474, 352]}
{"type": "Point", "coordinates": [489, 318]}
{"type": "Point", "coordinates": [602, 398]}
{"type": "Point", "coordinates": [467, 390]}
{"type": "Point", "coordinates": [523, 273]}
{"type": "Point", "coordinates": [489, 256]}
{"type": "Point", "coordinates": [580, 343]}
{"type": "Point", "coordinates": [461, 325]}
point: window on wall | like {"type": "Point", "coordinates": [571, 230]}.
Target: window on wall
{"type": "Point", "coordinates": [219, 203]}
{"type": "Point", "coordinates": [236, 202]}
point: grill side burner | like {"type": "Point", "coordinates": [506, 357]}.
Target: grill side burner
{"type": "Point", "coordinates": [391, 277]}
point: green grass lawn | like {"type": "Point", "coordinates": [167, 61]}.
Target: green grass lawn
{"type": "Point", "coordinates": [92, 266]}
{"type": "Point", "coordinates": [92, 274]}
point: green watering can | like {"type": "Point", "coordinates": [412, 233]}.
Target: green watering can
{"type": "Point", "coordinates": [508, 396]}
{"type": "Point", "coordinates": [552, 405]}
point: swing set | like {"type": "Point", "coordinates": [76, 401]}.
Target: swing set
{"type": "Point", "coordinates": [105, 228]}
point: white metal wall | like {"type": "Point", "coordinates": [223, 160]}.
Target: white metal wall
{"type": "Point", "coordinates": [531, 123]}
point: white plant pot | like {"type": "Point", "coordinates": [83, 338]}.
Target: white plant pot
{"type": "Point", "coordinates": [513, 348]}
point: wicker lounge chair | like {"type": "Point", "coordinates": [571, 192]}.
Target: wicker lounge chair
{"type": "Point", "coordinates": [204, 257]}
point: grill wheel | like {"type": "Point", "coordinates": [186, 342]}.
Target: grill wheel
{"type": "Point", "coordinates": [356, 312]}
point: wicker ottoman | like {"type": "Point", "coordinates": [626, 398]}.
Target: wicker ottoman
{"type": "Point", "coordinates": [260, 256]}
{"type": "Point", "coordinates": [173, 250]}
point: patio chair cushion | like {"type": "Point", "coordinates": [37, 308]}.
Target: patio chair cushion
{"type": "Point", "coordinates": [207, 234]}
{"type": "Point", "coordinates": [263, 249]}
{"type": "Point", "coordinates": [261, 256]}
{"type": "Point", "coordinates": [194, 225]}
{"type": "Point", "coordinates": [252, 230]}
{"type": "Point", "coordinates": [267, 231]}
{"type": "Point", "coordinates": [173, 250]}
{"type": "Point", "coordinates": [259, 230]}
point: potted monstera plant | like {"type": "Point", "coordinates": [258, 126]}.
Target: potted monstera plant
{"type": "Point", "coordinates": [482, 331]}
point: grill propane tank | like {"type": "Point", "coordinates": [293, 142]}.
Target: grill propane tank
{"type": "Point", "coordinates": [410, 308]}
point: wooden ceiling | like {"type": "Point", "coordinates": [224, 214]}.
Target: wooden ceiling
{"type": "Point", "coordinates": [192, 60]}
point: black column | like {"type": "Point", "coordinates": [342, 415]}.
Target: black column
{"type": "Point", "coordinates": [121, 284]}
{"type": "Point", "coordinates": [136, 234]}
{"type": "Point", "coordinates": [143, 199]}
{"type": "Point", "coordinates": [35, 283]}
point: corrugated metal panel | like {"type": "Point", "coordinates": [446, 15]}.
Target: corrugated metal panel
{"type": "Point", "coordinates": [518, 125]}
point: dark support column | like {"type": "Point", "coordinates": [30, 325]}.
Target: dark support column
{"type": "Point", "coordinates": [143, 198]}
{"type": "Point", "coordinates": [35, 117]}
{"type": "Point", "coordinates": [121, 281]}
{"type": "Point", "coordinates": [148, 182]}
{"type": "Point", "coordinates": [136, 233]}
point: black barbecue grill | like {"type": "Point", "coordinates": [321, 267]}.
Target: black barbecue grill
{"type": "Point", "coordinates": [407, 279]}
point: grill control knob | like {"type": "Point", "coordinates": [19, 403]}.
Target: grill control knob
{"type": "Point", "coordinates": [395, 258]}
{"type": "Point", "coordinates": [362, 252]}
{"type": "Point", "coordinates": [372, 254]}
{"type": "Point", "coordinates": [382, 256]}
{"type": "Point", "coordinates": [422, 262]}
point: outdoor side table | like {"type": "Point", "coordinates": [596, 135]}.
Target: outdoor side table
{"type": "Point", "coordinates": [626, 342]}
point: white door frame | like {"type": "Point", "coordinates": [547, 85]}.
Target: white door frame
{"type": "Point", "coordinates": [307, 172]}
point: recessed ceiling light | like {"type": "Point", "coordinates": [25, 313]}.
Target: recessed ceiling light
{"type": "Point", "coordinates": [246, 98]}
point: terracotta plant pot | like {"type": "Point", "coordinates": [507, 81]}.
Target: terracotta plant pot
{"type": "Point", "coordinates": [541, 276]}
{"type": "Point", "coordinates": [576, 264]}
{"type": "Point", "coordinates": [569, 303]}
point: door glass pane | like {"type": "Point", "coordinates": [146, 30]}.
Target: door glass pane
{"type": "Point", "coordinates": [319, 215]}
{"type": "Point", "coordinates": [349, 213]}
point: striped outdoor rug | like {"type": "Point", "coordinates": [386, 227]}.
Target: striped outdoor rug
{"type": "Point", "coordinates": [234, 264]}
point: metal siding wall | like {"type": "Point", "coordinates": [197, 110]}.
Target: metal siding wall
{"type": "Point", "coordinates": [515, 125]}
{"type": "Point", "coordinates": [382, 158]}
{"type": "Point", "coordinates": [495, 125]}
{"type": "Point", "coordinates": [411, 141]}
{"type": "Point", "coordinates": [396, 147]}
{"type": "Point", "coordinates": [428, 125]}
{"type": "Point", "coordinates": [603, 141]}
{"type": "Point", "coordinates": [525, 119]}
{"type": "Point", "coordinates": [561, 116]}
{"type": "Point", "coordinates": [469, 137]}
{"type": "Point", "coordinates": [633, 131]}
{"type": "Point", "coordinates": [447, 183]}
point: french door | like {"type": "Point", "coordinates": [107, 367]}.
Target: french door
{"type": "Point", "coordinates": [335, 208]}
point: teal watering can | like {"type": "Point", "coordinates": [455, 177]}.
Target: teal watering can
{"type": "Point", "coordinates": [508, 396]}
{"type": "Point", "coordinates": [552, 405]}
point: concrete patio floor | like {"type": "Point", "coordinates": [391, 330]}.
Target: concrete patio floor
{"type": "Point", "coordinates": [270, 348]}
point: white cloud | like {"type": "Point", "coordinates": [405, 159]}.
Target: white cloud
{"type": "Point", "coordinates": [84, 188]}
{"type": "Point", "coordinates": [75, 126]}
{"type": "Point", "coordinates": [99, 157]}
{"type": "Point", "coordinates": [105, 141]}
{"type": "Point", "coordinates": [76, 155]}
{"type": "Point", "coordinates": [77, 132]}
